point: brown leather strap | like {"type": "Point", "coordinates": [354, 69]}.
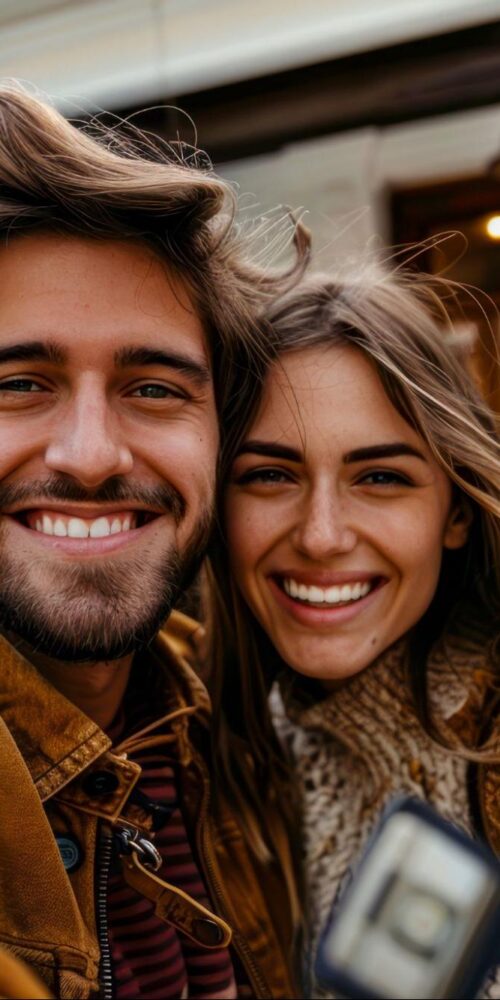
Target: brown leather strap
{"type": "Point", "coordinates": [177, 908]}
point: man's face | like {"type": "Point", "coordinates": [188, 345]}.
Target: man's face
{"type": "Point", "coordinates": [108, 444]}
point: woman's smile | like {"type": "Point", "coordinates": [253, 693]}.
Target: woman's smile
{"type": "Point", "coordinates": [312, 600]}
{"type": "Point", "coordinates": [337, 514]}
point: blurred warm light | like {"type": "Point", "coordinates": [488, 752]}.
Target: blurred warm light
{"type": "Point", "coordinates": [493, 227]}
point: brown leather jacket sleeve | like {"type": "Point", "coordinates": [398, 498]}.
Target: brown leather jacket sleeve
{"type": "Point", "coordinates": [17, 982]}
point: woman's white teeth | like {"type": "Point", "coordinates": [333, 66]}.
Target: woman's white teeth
{"type": "Point", "coordinates": [78, 527]}
{"type": "Point", "coordinates": [327, 595]}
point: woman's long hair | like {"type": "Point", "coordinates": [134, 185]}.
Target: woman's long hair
{"type": "Point", "coordinates": [400, 323]}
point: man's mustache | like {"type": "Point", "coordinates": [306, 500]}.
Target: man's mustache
{"type": "Point", "coordinates": [164, 498]}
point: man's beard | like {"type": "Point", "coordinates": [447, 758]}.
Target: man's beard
{"type": "Point", "coordinates": [102, 611]}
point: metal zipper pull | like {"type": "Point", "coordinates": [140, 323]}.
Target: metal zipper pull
{"type": "Point", "coordinates": [140, 859]}
{"type": "Point", "coordinates": [130, 842]}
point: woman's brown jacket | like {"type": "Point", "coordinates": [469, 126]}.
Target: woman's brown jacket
{"type": "Point", "coordinates": [48, 752]}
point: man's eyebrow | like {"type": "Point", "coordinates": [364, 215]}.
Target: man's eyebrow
{"type": "Point", "coordinates": [392, 450]}
{"type": "Point", "coordinates": [143, 356]}
{"type": "Point", "coordinates": [33, 350]}
{"type": "Point", "coordinates": [270, 450]}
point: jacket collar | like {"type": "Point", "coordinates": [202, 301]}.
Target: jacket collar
{"type": "Point", "coordinates": [58, 741]}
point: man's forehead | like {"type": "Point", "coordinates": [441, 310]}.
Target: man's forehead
{"type": "Point", "coordinates": [112, 300]}
{"type": "Point", "coordinates": [90, 273]}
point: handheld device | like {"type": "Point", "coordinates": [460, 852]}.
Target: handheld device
{"type": "Point", "coordinates": [421, 917]}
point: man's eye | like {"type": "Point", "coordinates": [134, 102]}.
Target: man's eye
{"type": "Point", "coordinates": [153, 390]}
{"type": "Point", "coordinates": [20, 385]}
{"type": "Point", "coordinates": [384, 477]}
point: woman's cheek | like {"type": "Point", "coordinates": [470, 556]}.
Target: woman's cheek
{"type": "Point", "coordinates": [413, 544]}
{"type": "Point", "coordinates": [244, 532]}
{"type": "Point", "coordinates": [249, 536]}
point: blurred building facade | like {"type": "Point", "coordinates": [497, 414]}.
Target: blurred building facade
{"type": "Point", "coordinates": [381, 120]}
{"type": "Point", "coordinates": [330, 105]}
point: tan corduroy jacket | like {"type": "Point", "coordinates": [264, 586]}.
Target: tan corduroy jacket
{"type": "Point", "coordinates": [64, 791]}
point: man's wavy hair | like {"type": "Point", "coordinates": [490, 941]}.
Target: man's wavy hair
{"type": "Point", "coordinates": [118, 182]}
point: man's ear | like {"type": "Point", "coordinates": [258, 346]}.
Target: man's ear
{"type": "Point", "coordinates": [456, 531]}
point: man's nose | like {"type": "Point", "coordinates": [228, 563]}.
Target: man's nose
{"type": "Point", "coordinates": [324, 527]}
{"type": "Point", "coordinates": [87, 443]}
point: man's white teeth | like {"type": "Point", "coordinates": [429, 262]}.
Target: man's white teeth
{"type": "Point", "coordinates": [77, 527]}
{"type": "Point", "coordinates": [327, 595]}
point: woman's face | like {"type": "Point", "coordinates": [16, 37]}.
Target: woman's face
{"type": "Point", "coordinates": [337, 515]}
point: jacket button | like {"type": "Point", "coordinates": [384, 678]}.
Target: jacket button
{"type": "Point", "coordinates": [207, 931]}
{"type": "Point", "coordinates": [71, 852]}
{"type": "Point", "coordinates": [100, 783]}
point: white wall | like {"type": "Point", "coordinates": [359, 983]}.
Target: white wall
{"type": "Point", "coordinates": [342, 180]}
{"type": "Point", "coordinates": [119, 52]}
{"type": "Point", "coordinates": [108, 53]}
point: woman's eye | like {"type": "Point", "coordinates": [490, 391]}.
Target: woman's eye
{"type": "Point", "coordinates": [384, 477]}
{"type": "Point", "coordinates": [153, 390]}
{"type": "Point", "coordinates": [266, 476]}
{"type": "Point", "coordinates": [26, 385]}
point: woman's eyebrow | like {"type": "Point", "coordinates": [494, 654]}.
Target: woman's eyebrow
{"type": "Point", "coordinates": [393, 450]}
{"type": "Point", "coordinates": [270, 450]}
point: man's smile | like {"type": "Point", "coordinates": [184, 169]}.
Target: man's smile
{"type": "Point", "coordinates": [52, 523]}
{"type": "Point", "coordinates": [83, 530]}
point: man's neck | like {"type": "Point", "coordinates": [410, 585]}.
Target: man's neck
{"type": "Point", "coordinates": [97, 688]}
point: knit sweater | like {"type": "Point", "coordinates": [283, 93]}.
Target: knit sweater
{"type": "Point", "coordinates": [356, 749]}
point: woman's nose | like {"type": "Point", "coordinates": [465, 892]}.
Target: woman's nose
{"type": "Point", "coordinates": [87, 442]}
{"type": "Point", "coordinates": [324, 527]}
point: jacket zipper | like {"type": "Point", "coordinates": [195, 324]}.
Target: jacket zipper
{"type": "Point", "coordinates": [257, 981]}
{"type": "Point", "coordinates": [105, 971]}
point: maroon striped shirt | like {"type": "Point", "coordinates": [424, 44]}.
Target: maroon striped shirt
{"type": "Point", "coordinates": [149, 958]}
